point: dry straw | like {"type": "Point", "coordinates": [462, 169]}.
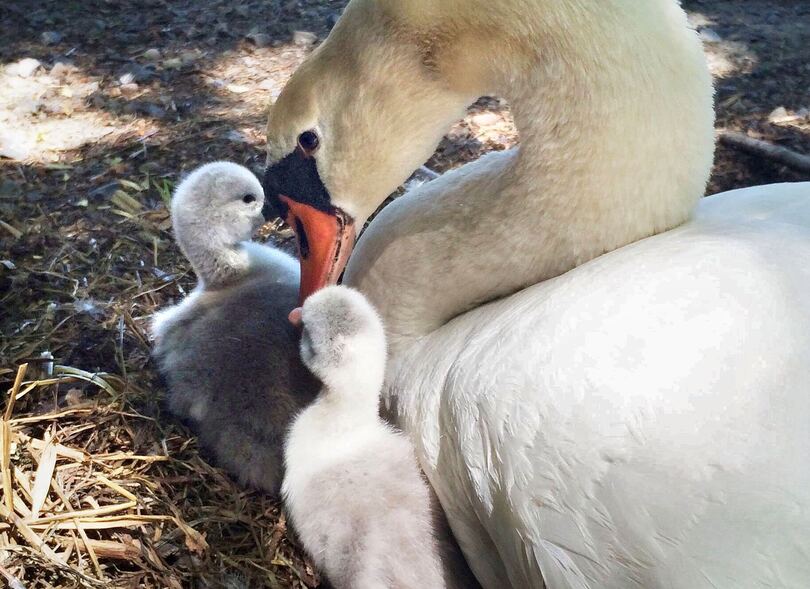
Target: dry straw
{"type": "Point", "coordinates": [100, 487]}
{"type": "Point", "coordinates": [95, 493]}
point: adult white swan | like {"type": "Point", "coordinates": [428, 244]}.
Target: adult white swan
{"type": "Point", "coordinates": [637, 418]}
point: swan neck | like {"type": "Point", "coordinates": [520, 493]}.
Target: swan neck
{"type": "Point", "coordinates": [217, 261]}
{"type": "Point", "coordinates": [613, 106]}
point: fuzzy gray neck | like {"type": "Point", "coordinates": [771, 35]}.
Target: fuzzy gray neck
{"type": "Point", "coordinates": [218, 260]}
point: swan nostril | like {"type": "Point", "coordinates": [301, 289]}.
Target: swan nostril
{"type": "Point", "coordinates": [303, 243]}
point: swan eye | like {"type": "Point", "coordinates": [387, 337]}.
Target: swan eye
{"type": "Point", "coordinates": [248, 198]}
{"type": "Point", "coordinates": [308, 141]}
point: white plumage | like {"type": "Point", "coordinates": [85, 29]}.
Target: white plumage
{"type": "Point", "coordinates": [352, 486]}
{"type": "Point", "coordinates": [640, 421]}
{"type": "Point", "coordinates": [595, 407]}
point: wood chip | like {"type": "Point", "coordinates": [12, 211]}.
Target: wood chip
{"type": "Point", "coordinates": [5, 438]}
{"type": "Point", "coordinates": [42, 480]}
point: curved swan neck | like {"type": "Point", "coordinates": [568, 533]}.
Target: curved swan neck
{"type": "Point", "coordinates": [217, 260]}
{"type": "Point", "coordinates": [613, 104]}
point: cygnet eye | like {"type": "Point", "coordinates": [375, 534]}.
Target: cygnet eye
{"type": "Point", "coordinates": [248, 198]}
{"type": "Point", "coordinates": [308, 141]}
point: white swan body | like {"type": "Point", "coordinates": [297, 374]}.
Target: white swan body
{"type": "Point", "coordinates": [641, 420]}
{"type": "Point", "coordinates": [636, 418]}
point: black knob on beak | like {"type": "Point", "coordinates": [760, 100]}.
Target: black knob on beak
{"type": "Point", "coordinates": [273, 207]}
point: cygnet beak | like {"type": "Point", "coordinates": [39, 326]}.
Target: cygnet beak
{"type": "Point", "coordinates": [295, 316]}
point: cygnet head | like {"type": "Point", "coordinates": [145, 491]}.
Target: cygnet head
{"type": "Point", "coordinates": [214, 208]}
{"type": "Point", "coordinates": [343, 341]}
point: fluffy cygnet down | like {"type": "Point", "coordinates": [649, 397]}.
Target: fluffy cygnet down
{"type": "Point", "coordinates": [227, 352]}
{"type": "Point", "coordinates": [353, 489]}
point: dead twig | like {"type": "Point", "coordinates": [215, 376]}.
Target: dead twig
{"type": "Point", "coordinates": [765, 149]}
{"type": "Point", "coordinates": [5, 438]}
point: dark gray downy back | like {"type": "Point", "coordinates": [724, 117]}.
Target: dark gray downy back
{"type": "Point", "coordinates": [234, 374]}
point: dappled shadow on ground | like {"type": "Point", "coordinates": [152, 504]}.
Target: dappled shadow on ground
{"type": "Point", "coordinates": [123, 98]}
{"type": "Point", "coordinates": [760, 51]}
{"type": "Point", "coordinates": [137, 67]}
{"type": "Point", "coordinates": [102, 126]}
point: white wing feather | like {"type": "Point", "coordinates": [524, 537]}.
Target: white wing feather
{"type": "Point", "coordinates": [641, 421]}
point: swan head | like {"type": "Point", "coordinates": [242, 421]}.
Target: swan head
{"type": "Point", "coordinates": [356, 119]}
{"type": "Point", "coordinates": [342, 341]}
{"type": "Point", "coordinates": [222, 200]}
{"type": "Point", "coordinates": [215, 208]}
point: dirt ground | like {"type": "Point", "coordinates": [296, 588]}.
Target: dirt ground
{"type": "Point", "coordinates": [123, 98]}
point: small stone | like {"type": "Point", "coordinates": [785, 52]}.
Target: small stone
{"type": "Point", "coordinates": [236, 136]}
{"type": "Point", "coordinates": [9, 190]}
{"type": "Point", "coordinates": [61, 69]}
{"type": "Point", "coordinates": [24, 68]}
{"type": "Point", "coordinates": [189, 57]}
{"type": "Point", "coordinates": [74, 397]}
{"type": "Point", "coordinates": [268, 84]}
{"type": "Point", "coordinates": [778, 115]}
{"type": "Point", "coordinates": [129, 89]}
{"type": "Point", "coordinates": [114, 106]}
{"type": "Point", "coordinates": [153, 110]}
{"type": "Point", "coordinates": [259, 39]}
{"type": "Point", "coordinates": [50, 37]}
{"type": "Point", "coordinates": [28, 105]}
{"type": "Point", "coordinates": [173, 63]}
{"type": "Point", "coordinates": [152, 54]}
{"type": "Point", "coordinates": [485, 118]}
{"type": "Point", "coordinates": [137, 74]}
{"type": "Point", "coordinates": [803, 112]}
{"type": "Point", "coordinates": [709, 36]}
{"type": "Point", "coordinates": [304, 38]}
{"type": "Point", "coordinates": [55, 107]}
{"type": "Point", "coordinates": [98, 100]}
{"type": "Point", "coordinates": [131, 108]}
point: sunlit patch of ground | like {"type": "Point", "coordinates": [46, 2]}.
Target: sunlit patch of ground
{"type": "Point", "coordinates": [42, 115]}
{"type": "Point", "coordinates": [725, 58]}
